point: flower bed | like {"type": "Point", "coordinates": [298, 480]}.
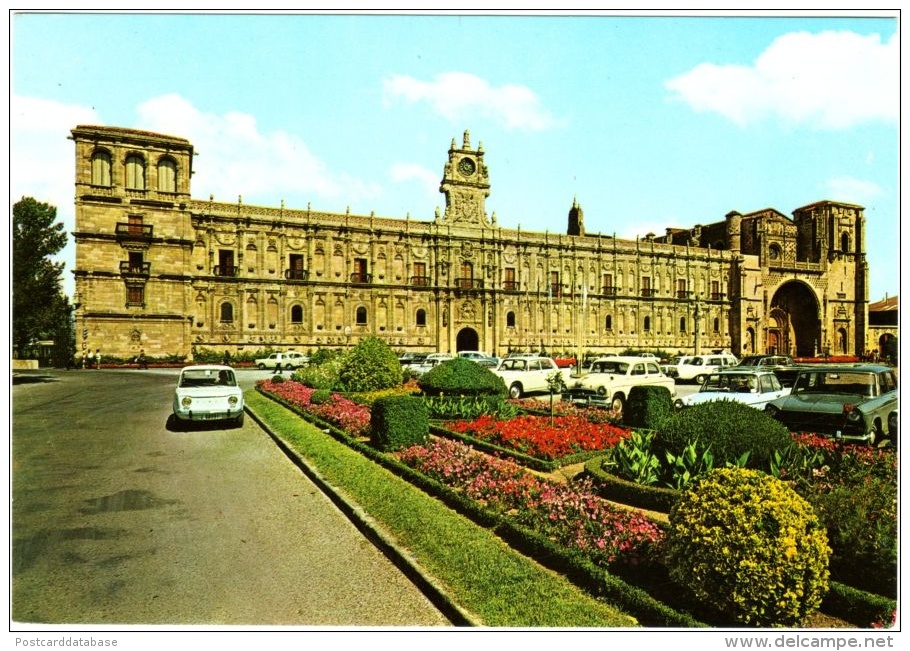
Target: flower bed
{"type": "Point", "coordinates": [541, 436]}
{"type": "Point", "coordinates": [571, 515]}
{"type": "Point", "coordinates": [339, 411]}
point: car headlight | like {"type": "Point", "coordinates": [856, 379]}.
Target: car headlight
{"type": "Point", "coordinates": [232, 401]}
{"type": "Point", "coordinates": [678, 403]}
{"type": "Point", "coordinates": [853, 414]}
{"type": "Point", "coordinates": [185, 402]}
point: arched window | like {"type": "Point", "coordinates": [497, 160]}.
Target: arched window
{"type": "Point", "coordinates": [101, 168]}
{"type": "Point", "coordinates": [167, 175]}
{"type": "Point", "coordinates": [510, 319]}
{"type": "Point", "coordinates": [716, 324]}
{"type": "Point", "coordinates": [227, 312]}
{"type": "Point", "coordinates": [682, 324]}
{"type": "Point", "coordinates": [296, 314]}
{"type": "Point", "coordinates": [608, 322]}
{"type": "Point", "coordinates": [845, 242]}
{"type": "Point", "coordinates": [420, 319]}
{"type": "Point", "coordinates": [647, 324]}
{"type": "Point", "coordinates": [135, 172]}
{"type": "Point", "coordinates": [360, 317]}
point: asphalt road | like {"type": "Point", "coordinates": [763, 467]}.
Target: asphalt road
{"type": "Point", "coordinates": [117, 520]}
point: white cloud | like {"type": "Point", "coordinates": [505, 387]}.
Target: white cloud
{"type": "Point", "coordinates": [830, 80]}
{"type": "Point", "coordinates": [236, 158]}
{"type": "Point", "coordinates": [851, 190]}
{"type": "Point", "coordinates": [461, 97]}
{"type": "Point", "coordinates": [427, 180]}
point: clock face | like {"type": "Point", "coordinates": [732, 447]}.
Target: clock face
{"type": "Point", "coordinates": [466, 166]}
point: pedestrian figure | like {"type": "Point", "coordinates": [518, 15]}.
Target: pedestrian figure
{"type": "Point", "coordinates": [84, 361]}
{"type": "Point", "coordinates": [143, 363]}
{"type": "Point", "coordinates": [97, 358]}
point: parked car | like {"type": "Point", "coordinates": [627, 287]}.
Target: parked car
{"type": "Point", "coordinates": [851, 403]}
{"type": "Point", "coordinates": [525, 375]}
{"type": "Point", "coordinates": [612, 378]}
{"type": "Point", "coordinates": [428, 363]}
{"type": "Point", "coordinates": [407, 359]}
{"type": "Point", "coordinates": [288, 360]}
{"type": "Point", "coordinates": [697, 368]}
{"type": "Point", "coordinates": [782, 365]}
{"type": "Point", "coordinates": [750, 386]}
{"type": "Point", "coordinates": [481, 358]}
{"type": "Point", "coordinates": [208, 392]}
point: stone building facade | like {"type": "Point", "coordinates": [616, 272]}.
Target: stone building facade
{"type": "Point", "coordinates": [160, 271]}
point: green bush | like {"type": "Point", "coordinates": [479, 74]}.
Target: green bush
{"type": "Point", "coordinates": [320, 397]}
{"type": "Point", "coordinates": [278, 378]}
{"type": "Point", "coordinates": [445, 407]}
{"type": "Point", "coordinates": [398, 422]}
{"type": "Point", "coordinates": [461, 377]}
{"type": "Point", "coordinates": [731, 428]}
{"type": "Point", "coordinates": [324, 375]}
{"type": "Point", "coordinates": [371, 365]}
{"type": "Point", "coordinates": [748, 545]}
{"type": "Point", "coordinates": [647, 407]}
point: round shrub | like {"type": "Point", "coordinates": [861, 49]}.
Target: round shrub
{"type": "Point", "coordinates": [647, 407]}
{"type": "Point", "coordinates": [732, 429]}
{"type": "Point", "coordinates": [748, 545]}
{"type": "Point", "coordinates": [371, 365]}
{"type": "Point", "coordinates": [461, 377]}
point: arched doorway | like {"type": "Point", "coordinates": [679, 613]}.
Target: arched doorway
{"type": "Point", "coordinates": [794, 319]}
{"type": "Point", "coordinates": [467, 339]}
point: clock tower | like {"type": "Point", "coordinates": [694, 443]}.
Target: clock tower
{"type": "Point", "coordinates": [466, 185]}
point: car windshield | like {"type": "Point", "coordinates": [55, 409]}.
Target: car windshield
{"type": "Point", "coordinates": [610, 367]}
{"type": "Point", "coordinates": [835, 382]}
{"type": "Point", "coordinates": [735, 382]}
{"type": "Point", "coordinates": [207, 378]}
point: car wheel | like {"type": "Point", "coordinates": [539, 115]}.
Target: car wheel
{"type": "Point", "coordinates": [700, 379]}
{"type": "Point", "coordinates": [261, 367]}
{"type": "Point", "coordinates": [618, 404]}
{"type": "Point", "coordinates": [515, 390]}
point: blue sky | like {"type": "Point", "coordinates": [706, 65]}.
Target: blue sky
{"type": "Point", "coordinates": [650, 122]}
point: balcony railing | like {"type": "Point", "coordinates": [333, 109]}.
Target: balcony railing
{"type": "Point", "coordinates": [363, 279]}
{"type": "Point", "coordinates": [609, 290]}
{"type": "Point", "coordinates": [420, 281]}
{"type": "Point", "coordinates": [717, 296]}
{"type": "Point", "coordinates": [510, 285]}
{"type": "Point", "coordinates": [648, 292]}
{"type": "Point", "coordinates": [128, 268]}
{"type": "Point", "coordinates": [555, 291]}
{"type": "Point", "coordinates": [296, 274]}
{"type": "Point", "coordinates": [469, 283]}
{"type": "Point", "coordinates": [225, 270]}
{"type": "Point", "coordinates": [682, 293]}
{"type": "Point", "coordinates": [127, 231]}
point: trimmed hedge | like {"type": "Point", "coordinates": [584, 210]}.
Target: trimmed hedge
{"type": "Point", "coordinates": [616, 489]}
{"type": "Point", "coordinates": [461, 377]}
{"type": "Point", "coordinates": [732, 429]}
{"type": "Point", "coordinates": [398, 422]}
{"type": "Point", "coordinates": [647, 407]}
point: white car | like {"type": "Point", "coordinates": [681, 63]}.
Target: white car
{"type": "Point", "coordinates": [612, 379]}
{"type": "Point", "coordinates": [688, 368]}
{"type": "Point", "coordinates": [288, 360]}
{"type": "Point", "coordinates": [208, 392]}
{"type": "Point", "coordinates": [752, 387]}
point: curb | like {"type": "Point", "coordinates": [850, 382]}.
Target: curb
{"type": "Point", "coordinates": [370, 528]}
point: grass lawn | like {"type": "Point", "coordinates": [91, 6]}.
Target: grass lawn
{"type": "Point", "coordinates": [485, 577]}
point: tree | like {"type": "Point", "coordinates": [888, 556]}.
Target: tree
{"type": "Point", "coordinates": [40, 309]}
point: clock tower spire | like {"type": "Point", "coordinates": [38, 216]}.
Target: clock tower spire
{"type": "Point", "coordinates": [466, 185]}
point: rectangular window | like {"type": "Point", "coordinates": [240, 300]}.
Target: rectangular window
{"type": "Point", "coordinates": [554, 289]}
{"type": "Point", "coordinates": [646, 290]}
{"type": "Point", "coordinates": [359, 274]}
{"type": "Point", "coordinates": [508, 280]}
{"type": "Point", "coordinates": [295, 267]}
{"type": "Point", "coordinates": [419, 278]}
{"type": "Point", "coordinates": [225, 263]}
{"type": "Point", "coordinates": [715, 291]}
{"type": "Point", "coordinates": [136, 262]}
{"type": "Point", "coordinates": [135, 295]}
{"type": "Point", "coordinates": [134, 224]}
{"type": "Point", "coordinates": [608, 288]}
{"type": "Point", "coordinates": [681, 289]}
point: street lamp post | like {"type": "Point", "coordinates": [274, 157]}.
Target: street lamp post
{"type": "Point", "coordinates": [347, 336]}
